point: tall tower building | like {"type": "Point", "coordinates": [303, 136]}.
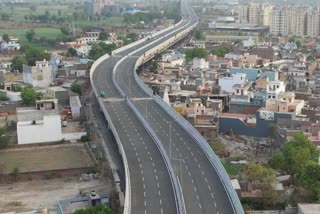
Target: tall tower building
{"type": "Point", "coordinates": [298, 21]}
{"type": "Point", "coordinates": [254, 11]}
{"type": "Point", "coordinates": [250, 13]}
{"type": "Point", "coordinates": [243, 14]}
{"type": "Point", "coordinates": [266, 9]}
{"type": "Point", "coordinates": [313, 23]}
{"type": "Point", "coordinates": [279, 22]}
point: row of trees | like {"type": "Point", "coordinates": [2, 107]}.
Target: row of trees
{"type": "Point", "coordinates": [202, 53]}
{"type": "Point", "coordinates": [100, 49]}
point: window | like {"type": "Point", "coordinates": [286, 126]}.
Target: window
{"type": "Point", "coordinates": [284, 108]}
{"type": "Point", "coordinates": [277, 86]}
{"type": "Point", "coordinates": [269, 96]}
{"type": "Point", "coordinates": [237, 91]}
{"type": "Point", "coordinates": [273, 97]}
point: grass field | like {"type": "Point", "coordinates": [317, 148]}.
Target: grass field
{"type": "Point", "coordinates": [45, 158]}
{"type": "Point", "coordinates": [49, 33]}
{"type": "Point", "coordinates": [232, 169]}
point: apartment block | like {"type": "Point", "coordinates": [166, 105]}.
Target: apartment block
{"type": "Point", "coordinates": [279, 22]}
{"type": "Point", "coordinates": [251, 13]}
{"type": "Point", "coordinates": [266, 9]}
{"type": "Point", "coordinates": [313, 23]}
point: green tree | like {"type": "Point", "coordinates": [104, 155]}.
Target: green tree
{"type": "Point", "coordinates": [101, 49]}
{"type": "Point", "coordinates": [15, 173]}
{"type": "Point", "coordinates": [3, 97]}
{"type": "Point", "coordinates": [5, 16]}
{"type": "Point", "coordinates": [5, 37]}
{"type": "Point", "coordinates": [199, 35]}
{"type": "Point", "coordinates": [298, 43]}
{"type": "Point", "coordinates": [153, 67]}
{"type": "Point", "coordinates": [72, 52]}
{"type": "Point", "coordinates": [294, 155]}
{"type": "Point", "coordinates": [263, 177]}
{"type": "Point", "coordinates": [18, 62]}
{"type": "Point", "coordinates": [76, 88]}
{"type": "Point", "coordinates": [310, 177]}
{"type": "Point", "coordinates": [36, 54]}
{"type": "Point", "coordinates": [132, 36]}
{"type": "Point", "coordinates": [59, 12]}
{"type": "Point", "coordinates": [30, 35]}
{"type": "Point", "coordinates": [272, 134]}
{"type": "Point", "coordinates": [195, 53]}
{"type": "Point", "coordinates": [33, 8]}
{"type": "Point", "coordinates": [64, 30]}
{"type": "Point", "coordinates": [311, 57]}
{"type": "Point", "coordinates": [221, 51]}
{"type": "Point", "coordinates": [29, 95]}
{"type": "Point", "coordinates": [103, 35]}
{"type": "Point", "coordinates": [3, 140]}
{"type": "Point", "coordinates": [98, 209]}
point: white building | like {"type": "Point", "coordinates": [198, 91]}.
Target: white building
{"type": "Point", "coordinates": [248, 43]}
{"type": "Point", "coordinates": [275, 88]}
{"type": "Point", "coordinates": [42, 123]}
{"type": "Point", "coordinates": [40, 75]}
{"type": "Point", "coordinates": [75, 106]}
{"type": "Point", "coordinates": [200, 63]}
{"type": "Point", "coordinates": [227, 83]}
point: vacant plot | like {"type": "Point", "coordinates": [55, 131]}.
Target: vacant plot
{"type": "Point", "coordinates": [39, 194]}
{"type": "Point", "coordinates": [45, 158]}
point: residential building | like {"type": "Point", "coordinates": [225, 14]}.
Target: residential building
{"type": "Point", "coordinates": [243, 16]}
{"type": "Point", "coordinates": [250, 13]}
{"type": "Point", "coordinates": [59, 93]}
{"type": "Point", "coordinates": [113, 10]}
{"type": "Point", "coordinates": [285, 103]}
{"type": "Point", "coordinates": [254, 14]}
{"type": "Point", "coordinates": [313, 23]}
{"type": "Point", "coordinates": [44, 120]}
{"type": "Point", "coordinates": [40, 75]}
{"type": "Point", "coordinates": [297, 22]}
{"type": "Point", "coordinates": [251, 73]}
{"type": "Point", "coordinates": [267, 9]}
{"type": "Point", "coordinates": [279, 22]}
{"type": "Point", "coordinates": [200, 63]}
{"type": "Point", "coordinates": [275, 88]}
{"type": "Point", "coordinates": [227, 83]}
{"type": "Point", "coordinates": [12, 45]}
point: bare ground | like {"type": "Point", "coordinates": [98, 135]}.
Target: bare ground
{"type": "Point", "coordinates": [39, 194]}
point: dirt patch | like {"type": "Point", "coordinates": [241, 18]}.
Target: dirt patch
{"type": "Point", "coordinates": [45, 158]}
{"type": "Point", "coordinates": [39, 194]}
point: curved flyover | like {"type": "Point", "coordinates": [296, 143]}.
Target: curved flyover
{"type": "Point", "coordinates": [143, 122]}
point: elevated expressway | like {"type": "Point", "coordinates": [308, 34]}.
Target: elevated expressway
{"type": "Point", "coordinates": [169, 167]}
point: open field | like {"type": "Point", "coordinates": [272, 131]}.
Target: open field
{"type": "Point", "coordinates": [49, 33]}
{"type": "Point", "coordinates": [45, 158]}
{"type": "Point", "coordinates": [39, 194]}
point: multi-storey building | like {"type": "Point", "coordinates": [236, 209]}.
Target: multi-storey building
{"type": "Point", "coordinates": [313, 23]}
{"type": "Point", "coordinates": [251, 13]}
{"type": "Point", "coordinates": [297, 23]}
{"type": "Point", "coordinates": [279, 22]}
{"type": "Point", "coordinates": [254, 14]}
{"type": "Point", "coordinates": [40, 75]}
{"type": "Point", "coordinates": [266, 9]}
{"type": "Point", "coordinates": [243, 14]}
